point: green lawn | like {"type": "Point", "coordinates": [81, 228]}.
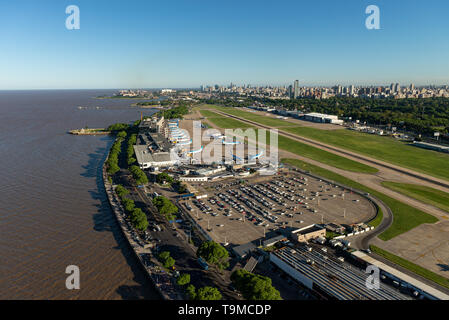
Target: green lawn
{"type": "Point", "coordinates": [383, 148]}
{"type": "Point", "coordinates": [411, 266]}
{"type": "Point", "coordinates": [224, 122]}
{"type": "Point", "coordinates": [322, 156]}
{"type": "Point", "coordinates": [425, 194]}
{"type": "Point", "coordinates": [405, 216]}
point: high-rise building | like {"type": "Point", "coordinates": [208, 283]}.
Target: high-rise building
{"type": "Point", "coordinates": [339, 89]}
{"type": "Point", "coordinates": [412, 87]}
{"type": "Point", "coordinates": [352, 90]}
{"type": "Point", "coordinates": [296, 88]}
{"type": "Point", "coordinates": [290, 91]}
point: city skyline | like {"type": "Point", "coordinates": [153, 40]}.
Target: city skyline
{"type": "Point", "coordinates": [185, 45]}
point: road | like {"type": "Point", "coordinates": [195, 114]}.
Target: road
{"type": "Point", "coordinates": [180, 249]}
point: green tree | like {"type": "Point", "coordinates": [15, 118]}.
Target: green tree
{"type": "Point", "coordinates": [170, 262]}
{"type": "Point", "coordinates": [121, 134]}
{"type": "Point", "coordinates": [183, 279]}
{"type": "Point", "coordinates": [214, 253]}
{"type": "Point", "coordinates": [121, 191]}
{"type": "Point", "coordinates": [191, 292]}
{"type": "Point", "coordinates": [253, 286]}
{"type": "Point", "coordinates": [208, 293]}
{"type": "Point", "coordinates": [165, 207]}
{"type": "Point", "coordinates": [118, 127]}
{"type": "Point", "coordinates": [139, 219]}
{"type": "Point", "coordinates": [139, 175]}
{"type": "Point", "coordinates": [164, 177]}
{"type": "Point", "coordinates": [164, 255]}
{"type": "Point", "coordinates": [128, 204]}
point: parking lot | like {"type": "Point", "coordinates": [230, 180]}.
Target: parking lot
{"type": "Point", "coordinates": [239, 211]}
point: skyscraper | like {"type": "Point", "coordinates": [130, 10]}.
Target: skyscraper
{"type": "Point", "coordinates": [296, 87]}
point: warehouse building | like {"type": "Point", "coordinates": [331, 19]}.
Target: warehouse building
{"type": "Point", "coordinates": [155, 160]}
{"type": "Point", "coordinates": [327, 276]}
{"type": "Point", "coordinates": [305, 234]}
{"type": "Point", "coordinates": [322, 118]}
{"type": "Point", "coordinates": [243, 250]}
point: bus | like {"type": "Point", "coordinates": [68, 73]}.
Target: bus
{"type": "Point", "coordinates": [203, 263]}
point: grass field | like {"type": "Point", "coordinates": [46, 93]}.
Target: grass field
{"type": "Point", "coordinates": [383, 148]}
{"type": "Point", "coordinates": [425, 194]}
{"type": "Point", "coordinates": [296, 147]}
{"type": "Point", "coordinates": [224, 122]}
{"type": "Point", "coordinates": [411, 266]}
{"type": "Point", "coordinates": [405, 216]}
{"type": "Point", "coordinates": [322, 156]}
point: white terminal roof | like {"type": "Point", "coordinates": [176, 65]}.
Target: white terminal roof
{"type": "Point", "coordinates": [321, 115]}
{"type": "Point", "coordinates": [143, 155]}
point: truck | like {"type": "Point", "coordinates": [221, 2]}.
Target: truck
{"type": "Point", "coordinates": [203, 263]}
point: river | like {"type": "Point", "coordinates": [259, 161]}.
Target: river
{"type": "Point", "coordinates": [53, 209]}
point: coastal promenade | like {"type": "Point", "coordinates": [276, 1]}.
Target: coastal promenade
{"type": "Point", "coordinates": [163, 282]}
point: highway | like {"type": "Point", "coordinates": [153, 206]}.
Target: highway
{"type": "Point", "coordinates": [180, 249]}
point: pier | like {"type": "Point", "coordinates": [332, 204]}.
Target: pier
{"type": "Point", "coordinates": [93, 132]}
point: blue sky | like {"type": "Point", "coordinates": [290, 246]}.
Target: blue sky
{"type": "Point", "coordinates": [158, 44]}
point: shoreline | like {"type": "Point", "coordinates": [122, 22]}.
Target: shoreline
{"type": "Point", "coordinates": [116, 208]}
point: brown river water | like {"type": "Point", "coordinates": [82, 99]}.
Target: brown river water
{"type": "Point", "coordinates": [53, 209]}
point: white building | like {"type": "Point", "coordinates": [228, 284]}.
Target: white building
{"type": "Point", "coordinates": [193, 179]}
{"type": "Point", "coordinates": [323, 118]}
{"type": "Point", "coordinates": [146, 159]}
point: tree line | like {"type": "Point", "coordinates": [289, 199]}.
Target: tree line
{"type": "Point", "coordinates": [423, 115]}
{"type": "Point", "coordinates": [137, 217]}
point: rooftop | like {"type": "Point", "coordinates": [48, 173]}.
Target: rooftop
{"type": "Point", "coordinates": [336, 279]}
{"type": "Point", "coordinates": [308, 229]}
{"type": "Point", "coordinates": [143, 155]}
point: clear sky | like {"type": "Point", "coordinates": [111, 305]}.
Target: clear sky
{"type": "Point", "coordinates": [146, 44]}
